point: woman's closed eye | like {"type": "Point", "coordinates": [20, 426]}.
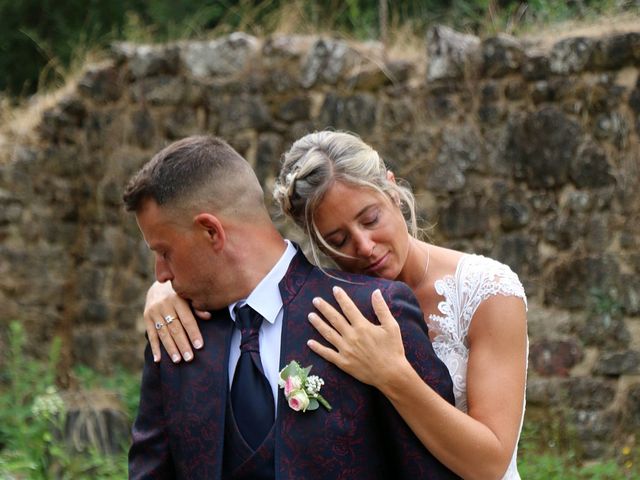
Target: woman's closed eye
{"type": "Point", "coordinates": [336, 241]}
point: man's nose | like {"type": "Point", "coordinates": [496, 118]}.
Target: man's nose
{"type": "Point", "coordinates": [163, 272]}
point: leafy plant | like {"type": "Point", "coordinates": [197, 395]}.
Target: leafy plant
{"type": "Point", "coordinates": [32, 417]}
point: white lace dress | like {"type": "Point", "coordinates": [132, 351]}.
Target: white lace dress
{"type": "Point", "coordinates": [476, 278]}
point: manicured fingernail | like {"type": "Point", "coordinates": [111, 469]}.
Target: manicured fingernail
{"type": "Point", "coordinates": [187, 356]}
{"type": "Point", "coordinates": [197, 343]}
{"type": "Point", "coordinates": [310, 317]}
{"type": "Point", "coordinates": [336, 289]}
{"type": "Point", "coordinates": [315, 301]}
{"type": "Point", "coordinates": [175, 357]}
{"type": "Point", "coordinates": [156, 358]}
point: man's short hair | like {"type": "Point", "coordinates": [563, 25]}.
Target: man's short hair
{"type": "Point", "coordinates": [196, 172]}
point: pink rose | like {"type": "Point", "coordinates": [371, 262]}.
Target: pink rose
{"type": "Point", "coordinates": [292, 384]}
{"type": "Point", "coordinates": [299, 401]}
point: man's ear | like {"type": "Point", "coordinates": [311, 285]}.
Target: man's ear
{"type": "Point", "coordinates": [212, 228]}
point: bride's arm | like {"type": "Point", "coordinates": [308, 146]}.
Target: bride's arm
{"type": "Point", "coordinates": [474, 445]}
{"type": "Point", "coordinates": [177, 335]}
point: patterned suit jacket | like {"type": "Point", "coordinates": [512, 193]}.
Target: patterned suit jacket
{"type": "Point", "coordinates": [179, 430]}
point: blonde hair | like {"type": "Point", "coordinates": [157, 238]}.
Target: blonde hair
{"type": "Point", "coordinates": [318, 160]}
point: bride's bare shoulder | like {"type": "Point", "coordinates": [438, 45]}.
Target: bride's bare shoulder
{"type": "Point", "coordinates": [444, 261]}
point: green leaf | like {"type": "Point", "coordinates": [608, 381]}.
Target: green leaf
{"type": "Point", "coordinates": [313, 404]}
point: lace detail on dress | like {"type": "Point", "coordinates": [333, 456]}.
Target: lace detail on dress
{"type": "Point", "coordinates": [476, 278]}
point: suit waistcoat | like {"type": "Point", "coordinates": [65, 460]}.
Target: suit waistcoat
{"type": "Point", "coordinates": [240, 461]}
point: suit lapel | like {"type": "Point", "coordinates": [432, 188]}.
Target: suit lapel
{"type": "Point", "coordinates": [205, 399]}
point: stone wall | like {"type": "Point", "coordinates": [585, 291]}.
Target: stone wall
{"type": "Point", "coordinates": [524, 153]}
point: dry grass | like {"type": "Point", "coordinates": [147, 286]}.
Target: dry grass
{"type": "Point", "coordinates": [603, 25]}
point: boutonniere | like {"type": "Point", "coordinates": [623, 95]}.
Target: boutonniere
{"type": "Point", "coordinates": [302, 390]}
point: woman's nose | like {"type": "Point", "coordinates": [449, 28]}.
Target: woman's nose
{"type": "Point", "coordinates": [364, 245]}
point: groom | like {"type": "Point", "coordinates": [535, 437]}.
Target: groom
{"type": "Point", "coordinates": [200, 209]}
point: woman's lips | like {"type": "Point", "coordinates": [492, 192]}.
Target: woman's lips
{"type": "Point", "coordinates": [377, 265]}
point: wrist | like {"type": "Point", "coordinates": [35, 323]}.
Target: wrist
{"type": "Point", "coordinates": [399, 377]}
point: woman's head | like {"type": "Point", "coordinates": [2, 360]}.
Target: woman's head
{"type": "Point", "coordinates": [319, 160]}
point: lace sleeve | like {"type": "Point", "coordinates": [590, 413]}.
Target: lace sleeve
{"type": "Point", "coordinates": [499, 279]}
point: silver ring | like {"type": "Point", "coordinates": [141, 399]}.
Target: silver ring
{"type": "Point", "coordinates": [159, 325]}
{"type": "Point", "coordinates": [169, 319]}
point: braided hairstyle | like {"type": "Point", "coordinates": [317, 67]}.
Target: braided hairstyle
{"type": "Point", "coordinates": [318, 160]}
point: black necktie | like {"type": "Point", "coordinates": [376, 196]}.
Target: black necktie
{"type": "Point", "coordinates": [251, 393]}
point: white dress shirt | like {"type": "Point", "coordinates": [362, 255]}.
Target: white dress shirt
{"type": "Point", "coordinates": [267, 301]}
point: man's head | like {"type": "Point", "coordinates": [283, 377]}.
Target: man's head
{"type": "Point", "coordinates": [196, 173]}
{"type": "Point", "coordinates": [191, 200]}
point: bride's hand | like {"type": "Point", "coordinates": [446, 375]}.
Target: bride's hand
{"type": "Point", "coordinates": [177, 330]}
{"type": "Point", "coordinates": [371, 353]}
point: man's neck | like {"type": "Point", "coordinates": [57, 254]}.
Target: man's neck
{"type": "Point", "coordinates": [251, 258]}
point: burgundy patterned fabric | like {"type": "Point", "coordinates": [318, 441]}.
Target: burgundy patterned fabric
{"type": "Point", "coordinates": [179, 431]}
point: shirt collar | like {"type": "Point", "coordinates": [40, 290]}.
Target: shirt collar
{"type": "Point", "coordinates": [265, 298]}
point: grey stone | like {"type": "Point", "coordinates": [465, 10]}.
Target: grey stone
{"type": "Point", "coordinates": [327, 62]}
{"type": "Point", "coordinates": [546, 391]}
{"type": "Point", "coordinates": [356, 113]}
{"type": "Point", "coordinates": [463, 216]}
{"type": "Point", "coordinates": [612, 127]}
{"type": "Point", "coordinates": [491, 114]}
{"type": "Point", "coordinates": [514, 212]}
{"type": "Point", "coordinates": [461, 150]}
{"type": "Point", "coordinates": [294, 109]}
{"type": "Point", "coordinates": [603, 329]}
{"type": "Point", "coordinates": [243, 112]}
{"type": "Point", "coordinates": [520, 252]}
{"type": "Point", "coordinates": [598, 233]}
{"type": "Point", "coordinates": [270, 148]}
{"type": "Point", "coordinates": [160, 90]}
{"type": "Point", "coordinates": [181, 122]}
{"type": "Point", "coordinates": [634, 98]}
{"type": "Point", "coordinates": [574, 280]}
{"type": "Point", "coordinates": [501, 55]}
{"type": "Point", "coordinates": [102, 83]}
{"type": "Point", "coordinates": [632, 408]}
{"type": "Point", "coordinates": [613, 52]}
{"type": "Point", "coordinates": [515, 90]}
{"type": "Point", "coordinates": [536, 66]}
{"type": "Point", "coordinates": [591, 393]}
{"type": "Point", "coordinates": [554, 357]}
{"type": "Point", "coordinates": [450, 54]}
{"type": "Point", "coordinates": [630, 292]}
{"type": "Point", "coordinates": [225, 56]}
{"type": "Point", "coordinates": [590, 167]}
{"type": "Point", "coordinates": [571, 55]}
{"type": "Point", "coordinates": [618, 363]}
{"type": "Point", "coordinates": [541, 92]}
{"type": "Point", "coordinates": [398, 114]}
{"type": "Point", "coordinates": [142, 128]}
{"type": "Point", "coordinates": [542, 147]}
{"type": "Point", "coordinates": [285, 47]}
{"type": "Point", "coordinates": [150, 60]}
{"type": "Point", "coordinates": [440, 107]}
